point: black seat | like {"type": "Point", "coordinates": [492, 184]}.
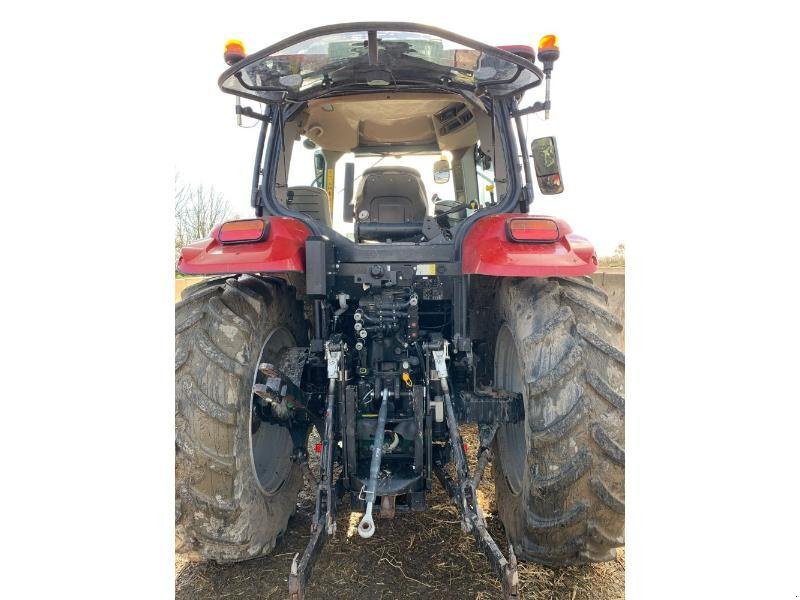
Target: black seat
{"type": "Point", "coordinates": [391, 195]}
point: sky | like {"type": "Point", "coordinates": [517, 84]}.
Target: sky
{"type": "Point", "coordinates": [210, 148]}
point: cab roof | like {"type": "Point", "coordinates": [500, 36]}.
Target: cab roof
{"type": "Point", "coordinates": [377, 56]}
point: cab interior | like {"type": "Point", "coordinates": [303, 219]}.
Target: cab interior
{"type": "Point", "coordinates": [421, 154]}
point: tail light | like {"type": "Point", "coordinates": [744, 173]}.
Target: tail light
{"type": "Point", "coordinates": [532, 230]}
{"type": "Point", "coordinates": [245, 230]}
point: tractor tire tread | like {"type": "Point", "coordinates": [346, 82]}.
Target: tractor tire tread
{"type": "Point", "coordinates": [221, 514]}
{"type": "Point", "coordinates": [570, 507]}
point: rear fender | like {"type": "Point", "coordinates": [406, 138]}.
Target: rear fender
{"type": "Point", "coordinates": [281, 251]}
{"type": "Point", "coordinates": [488, 250]}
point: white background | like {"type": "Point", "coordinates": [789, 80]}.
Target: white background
{"type": "Point", "coordinates": [677, 126]}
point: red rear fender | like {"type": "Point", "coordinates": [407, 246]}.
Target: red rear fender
{"type": "Point", "coordinates": [282, 250]}
{"type": "Point", "coordinates": [488, 250]}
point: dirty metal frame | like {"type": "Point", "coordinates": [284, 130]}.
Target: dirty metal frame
{"type": "Point", "coordinates": [324, 522]}
{"type": "Point", "coordinates": [463, 490]}
{"type": "Point", "coordinates": [488, 409]}
{"type": "Point", "coordinates": [473, 520]}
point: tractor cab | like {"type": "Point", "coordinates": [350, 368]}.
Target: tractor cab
{"type": "Point", "coordinates": [380, 167]}
{"type": "Point", "coordinates": [388, 132]}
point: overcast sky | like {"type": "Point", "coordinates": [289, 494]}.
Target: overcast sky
{"type": "Point", "coordinates": [212, 150]}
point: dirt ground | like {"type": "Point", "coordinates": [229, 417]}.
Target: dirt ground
{"type": "Point", "coordinates": [415, 555]}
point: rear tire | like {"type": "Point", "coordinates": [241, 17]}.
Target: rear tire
{"type": "Point", "coordinates": [560, 475]}
{"type": "Point", "coordinates": [223, 510]}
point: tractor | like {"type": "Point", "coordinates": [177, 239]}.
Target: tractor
{"type": "Point", "coordinates": [355, 304]}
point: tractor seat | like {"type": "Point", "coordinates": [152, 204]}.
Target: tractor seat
{"type": "Point", "coordinates": [391, 195]}
{"type": "Point", "coordinates": [311, 201]}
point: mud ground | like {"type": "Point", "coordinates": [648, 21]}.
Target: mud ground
{"type": "Point", "coordinates": [422, 555]}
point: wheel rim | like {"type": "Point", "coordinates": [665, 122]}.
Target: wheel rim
{"type": "Point", "coordinates": [270, 444]}
{"type": "Point", "coordinates": [511, 442]}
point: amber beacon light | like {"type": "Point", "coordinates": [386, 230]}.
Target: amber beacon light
{"type": "Point", "coordinates": [548, 50]}
{"type": "Point", "coordinates": [234, 51]}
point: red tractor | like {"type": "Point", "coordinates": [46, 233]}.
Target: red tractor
{"type": "Point", "coordinates": [386, 318]}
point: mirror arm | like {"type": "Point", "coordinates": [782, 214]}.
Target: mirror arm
{"type": "Point", "coordinates": [255, 201]}
{"type": "Point", "coordinates": [249, 112]}
{"type": "Point", "coordinates": [536, 107]}
{"type": "Point", "coordinates": [526, 196]}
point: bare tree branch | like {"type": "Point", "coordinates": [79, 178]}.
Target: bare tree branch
{"type": "Point", "coordinates": [197, 210]}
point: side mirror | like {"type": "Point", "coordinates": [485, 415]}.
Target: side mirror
{"type": "Point", "coordinates": [349, 178]}
{"type": "Point", "coordinates": [319, 169]}
{"type": "Point", "coordinates": [548, 169]}
{"type": "Point", "coordinates": [441, 171]}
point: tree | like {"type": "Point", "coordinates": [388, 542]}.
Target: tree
{"type": "Point", "coordinates": [616, 260]}
{"type": "Point", "coordinates": [197, 210]}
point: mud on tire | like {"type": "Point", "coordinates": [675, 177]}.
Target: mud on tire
{"type": "Point", "coordinates": [222, 513]}
{"type": "Point", "coordinates": [560, 475]}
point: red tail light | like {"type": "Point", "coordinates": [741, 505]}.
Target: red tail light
{"type": "Point", "coordinates": [246, 230]}
{"type": "Point", "coordinates": [532, 230]}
